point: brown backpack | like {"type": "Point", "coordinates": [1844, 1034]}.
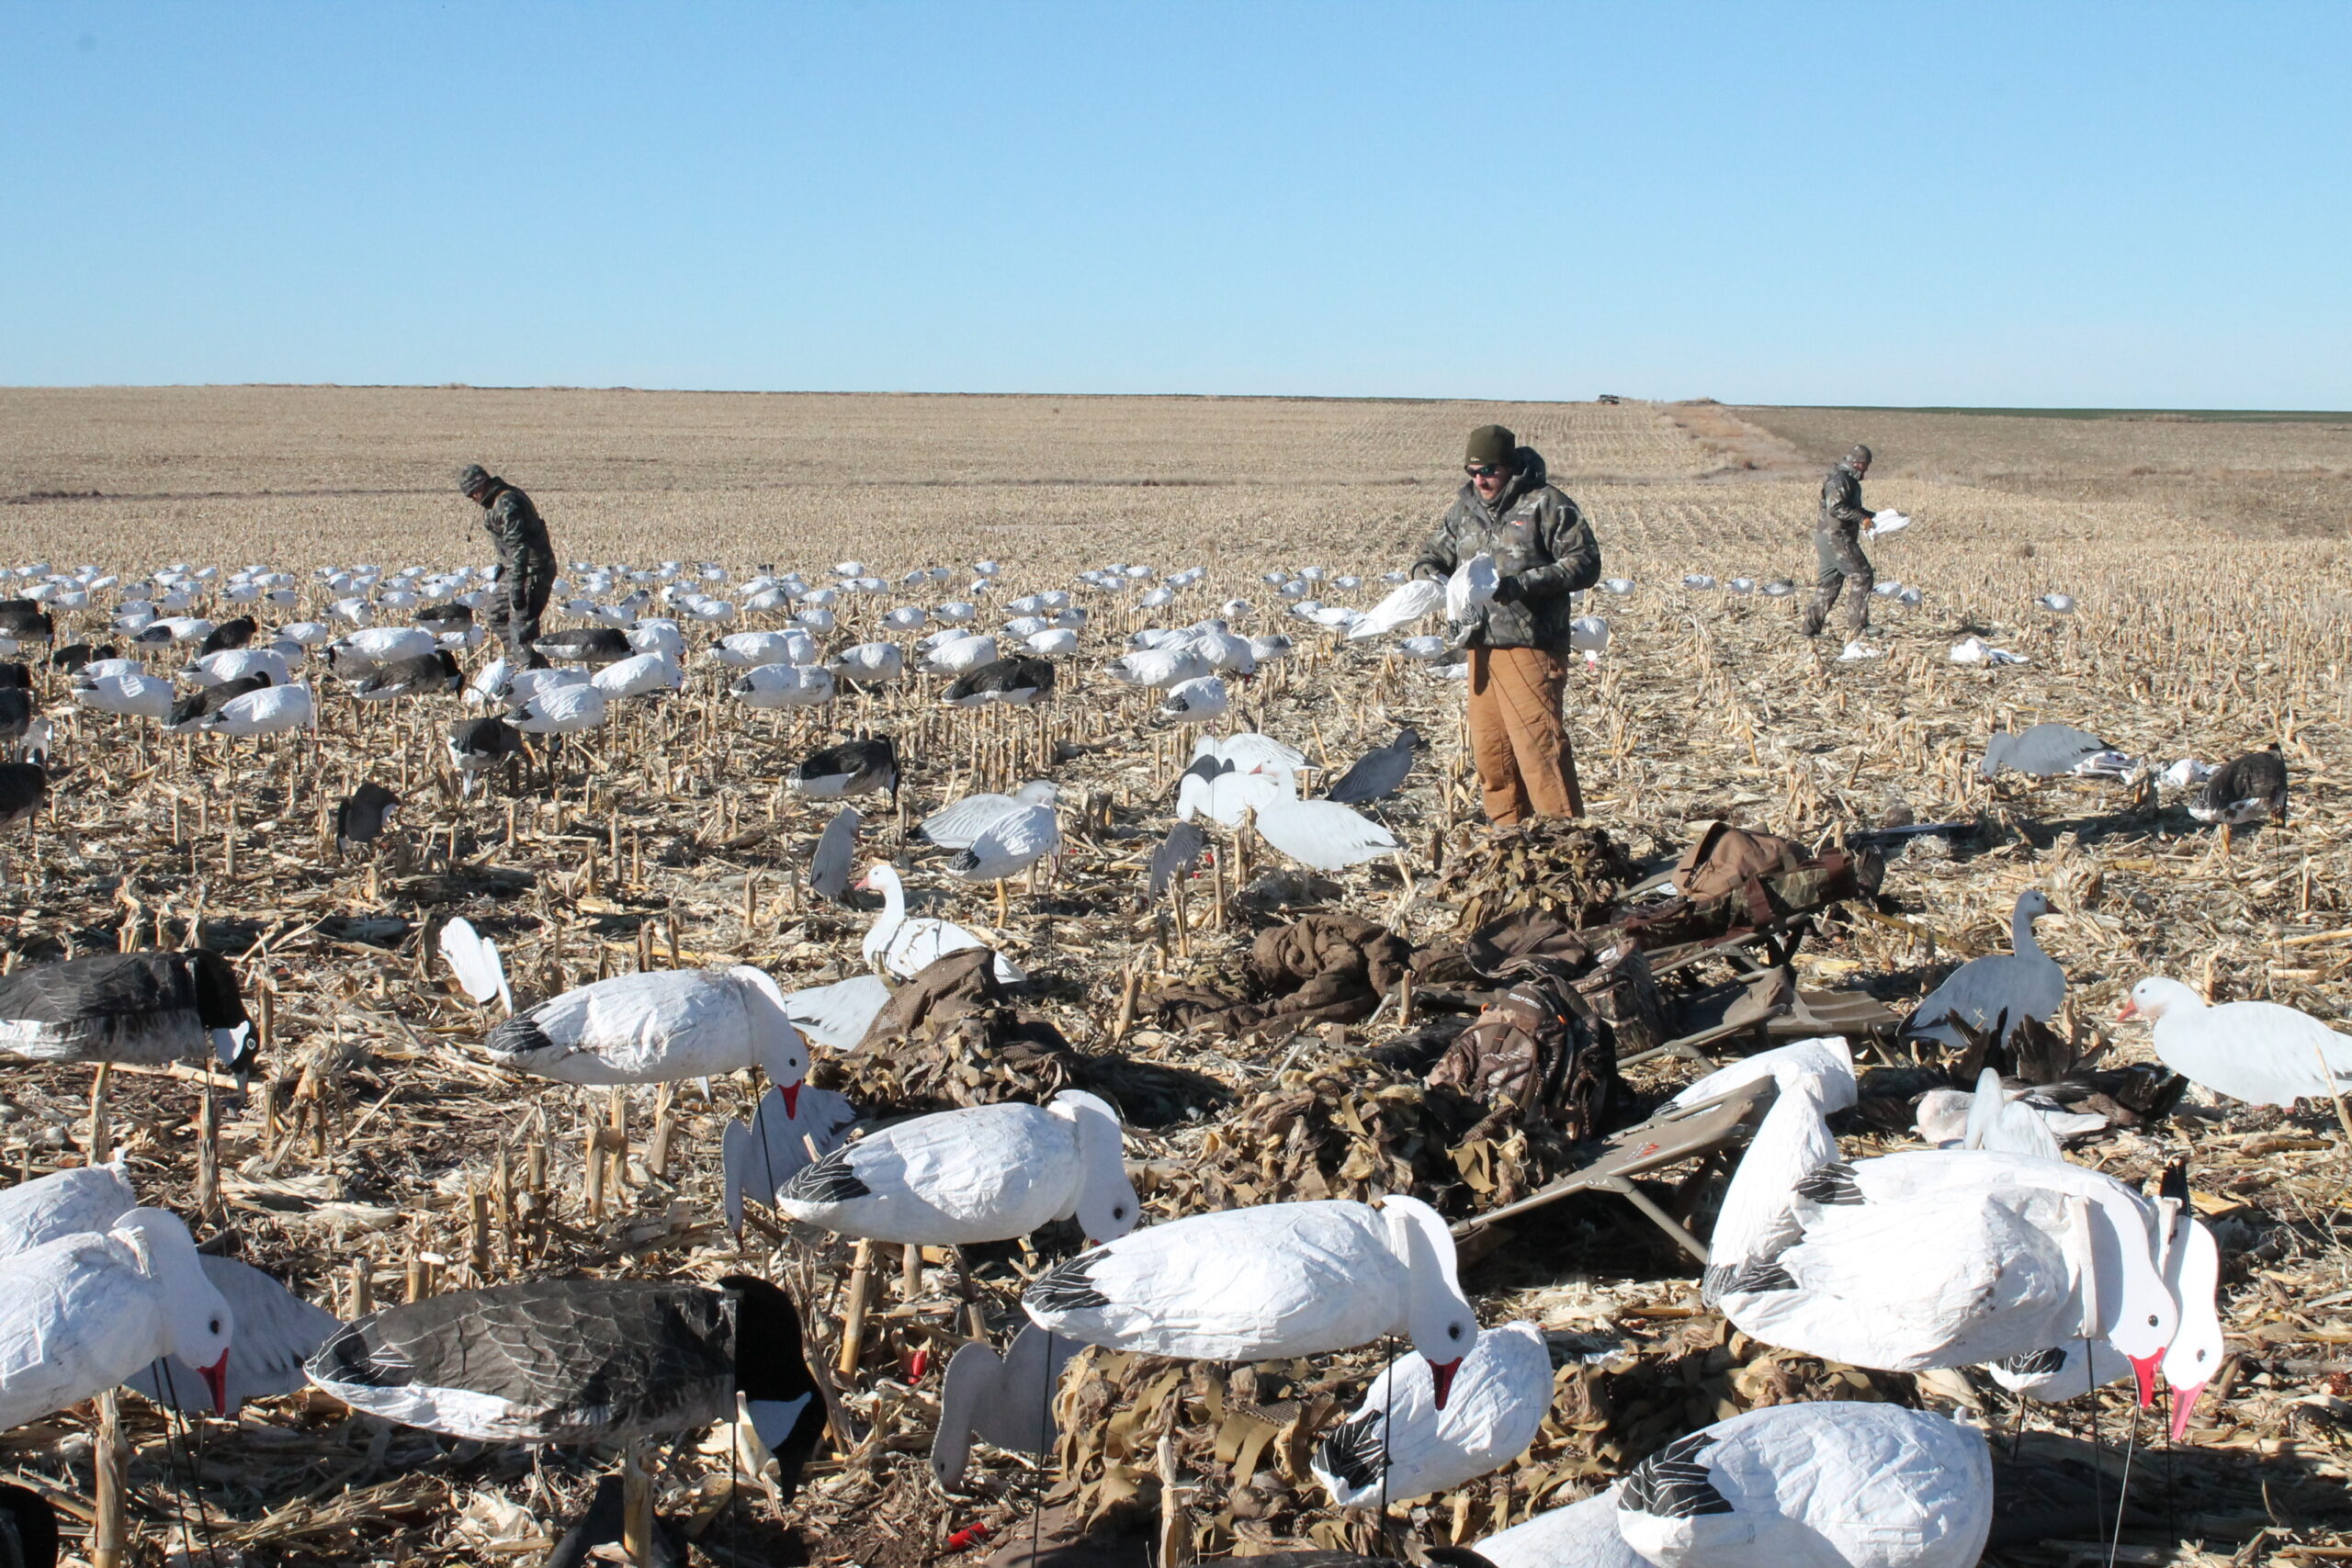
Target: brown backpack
{"type": "Point", "coordinates": [1724, 859]}
{"type": "Point", "coordinates": [1539, 1056]}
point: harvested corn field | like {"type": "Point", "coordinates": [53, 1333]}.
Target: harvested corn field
{"type": "Point", "coordinates": [1268, 1029]}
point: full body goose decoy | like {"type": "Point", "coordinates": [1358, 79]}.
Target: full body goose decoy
{"type": "Point", "coordinates": [264, 713]}
{"type": "Point", "coordinates": [477, 745]}
{"type": "Point", "coordinates": [854, 767]}
{"type": "Point", "coordinates": [1007, 847]}
{"type": "Point", "coordinates": [85, 1312]}
{"type": "Point", "coordinates": [1930, 1257]}
{"type": "Point", "coordinates": [190, 712]}
{"type": "Point", "coordinates": [1399, 1445]}
{"type": "Point", "coordinates": [2253, 788]}
{"type": "Point", "coordinates": [656, 1027]}
{"type": "Point", "coordinates": [2261, 1053]}
{"type": "Point", "coordinates": [584, 1361]}
{"type": "Point", "coordinates": [1276, 1280]}
{"type": "Point", "coordinates": [426, 675]}
{"type": "Point", "coordinates": [585, 645]}
{"type": "Point", "coordinates": [906, 946]}
{"type": "Point", "coordinates": [1379, 772]}
{"type": "Point", "coordinates": [363, 815]}
{"type": "Point", "coordinates": [982, 1173]}
{"type": "Point", "coordinates": [24, 788]}
{"type": "Point", "coordinates": [955, 826]}
{"type": "Point", "coordinates": [1836, 1485]}
{"type": "Point", "coordinates": [1006, 1403]}
{"type": "Point", "coordinates": [144, 1007]}
{"type": "Point", "coordinates": [2001, 990]}
{"type": "Point", "coordinates": [277, 1332]}
{"type": "Point", "coordinates": [1017, 682]}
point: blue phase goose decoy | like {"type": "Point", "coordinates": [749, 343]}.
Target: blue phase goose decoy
{"type": "Point", "coordinates": [585, 645]}
{"type": "Point", "coordinates": [982, 1173]}
{"type": "Point", "coordinates": [1174, 858]}
{"type": "Point", "coordinates": [585, 1362]}
{"type": "Point", "coordinates": [427, 674]}
{"type": "Point", "coordinates": [1273, 1281]}
{"type": "Point", "coordinates": [24, 787]}
{"type": "Point", "coordinates": [477, 745]}
{"type": "Point", "coordinates": [363, 815]}
{"type": "Point", "coordinates": [658, 1027]}
{"type": "Point", "coordinates": [1017, 682]}
{"type": "Point", "coordinates": [145, 1008]}
{"type": "Point", "coordinates": [85, 1312]}
{"type": "Point", "coordinates": [836, 851]}
{"type": "Point", "coordinates": [235, 631]}
{"type": "Point", "coordinates": [190, 712]}
{"type": "Point", "coordinates": [854, 767]}
{"type": "Point", "coordinates": [1378, 773]}
{"type": "Point", "coordinates": [1982, 993]}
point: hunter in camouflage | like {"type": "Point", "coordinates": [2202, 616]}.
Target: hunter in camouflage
{"type": "Point", "coordinates": [1518, 647]}
{"type": "Point", "coordinates": [525, 563]}
{"type": "Point", "coordinates": [1838, 546]}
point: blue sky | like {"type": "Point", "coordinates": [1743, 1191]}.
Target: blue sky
{"type": "Point", "coordinates": [1894, 203]}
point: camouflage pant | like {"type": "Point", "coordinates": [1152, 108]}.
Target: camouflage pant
{"type": "Point", "coordinates": [1838, 553]}
{"type": "Point", "coordinates": [517, 600]}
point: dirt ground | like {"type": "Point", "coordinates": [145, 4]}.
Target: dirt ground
{"type": "Point", "coordinates": [389, 1156]}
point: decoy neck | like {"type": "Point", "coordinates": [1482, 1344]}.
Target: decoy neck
{"type": "Point", "coordinates": [198, 1326]}
{"type": "Point", "coordinates": [2031, 905]}
{"type": "Point", "coordinates": [2155, 999]}
{"type": "Point", "coordinates": [771, 1372]}
{"type": "Point", "coordinates": [1437, 1318]}
{"type": "Point", "coordinates": [2123, 1272]}
{"type": "Point", "coordinates": [776, 1045]}
{"type": "Point", "coordinates": [1105, 1201]}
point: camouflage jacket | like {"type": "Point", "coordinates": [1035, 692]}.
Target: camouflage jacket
{"type": "Point", "coordinates": [1841, 503]}
{"type": "Point", "coordinates": [517, 530]}
{"type": "Point", "coordinates": [1540, 542]}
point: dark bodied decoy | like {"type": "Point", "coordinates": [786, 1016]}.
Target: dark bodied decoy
{"type": "Point", "coordinates": [228, 634]}
{"type": "Point", "coordinates": [1017, 680]}
{"type": "Point", "coordinates": [585, 645]}
{"type": "Point", "coordinates": [16, 713]}
{"type": "Point", "coordinates": [24, 787]}
{"type": "Point", "coordinates": [430, 674]}
{"type": "Point", "coordinates": [206, 701]}
{"type": "Point", "coordinates": [585, 1362]}
{"type": "Point", "coordinates": [363, 816]}
{"type": "Point", "coordinates": [26, 622]}
{"type": "Point", "coordinates": [445, 616]}
{"type": "Point", "coordinates": [14, 674]}
{"type": "Point", "coordinates": [146, 1008]}
{"type": "Point", "coordinates": [2253, 788]}
{"type": "Point", "coordinates": [854, 767]}
{"type": "Point", "coordinates": [1378, 773]}
{"type": "Point", "coordinates": [28, 1528]}
{"type": "Point", "coordinates": [477, 745]}
{"type": "Point", "coordinates": [73, 656]}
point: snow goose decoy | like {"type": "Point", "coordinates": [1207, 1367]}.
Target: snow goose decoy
{"type": "Point", "coordinates": [784, 1137]}
{"type": "Point", "coordinates": [958, 826]}
{"type": "Point", "coordinates": [2251, 789]}
{"type": "Point", "coordinates": [584, 1361]}
{"type": "Point", "coordinates": [190, 712]}
{"type": "Point", "coordinates": [981, 1174]}
{"type": "Point", "coordinates": [1399, 1445]}
{"type": "Point", "coordinates": [1007, 1403]}
{"type": "Point", "coordinates": [130, 694]}
{"type": "Point", "coordinates": [640, 674]}
{"type": "Point", "coordinates": [2043, 750]}
{"type": "Point", "coordinates": [1016, 682]}
{"type": "Point", "coordinates": [277, 1332]}
{"type": "Point", "coordinates": [365, 652]}
{"type": "Point", "coordinates": [1472, 587]}
{"type": "Point", "coordinates": [1012, 844]}
{"type": "Point", "coordinates": [1378, 773]}
{"type": "Point", "coordinates": [473, 959]}
{"type": "Point", "coordinates": [143, 1008]}
{"type": "Point", "coordinates": [2260, 1053]}
{"type": "Point", "coordinates": [782, 686]}
{"type": "Point", "coordinates": [1276, 1280]}
{"type": "Point", "coordinates": [560, 709]}
{"type": "Point", "coordinates": [585, 645]}
{"type": "Point", "coordinates": [87, 1311]}
{"type": "Point", "coordinates": [65, 1202]}
{"type": "Point", "coordinates": [657, 1026]}
{"type": "Point", "coordinates": [1162, 668]}
{"type": "Point", "coordinates": [1323, 833]}
{"type": "Point", "coordinates": [2057, 604]}
{"type": "Point", "coordinates": [1837, 1485]}
{"type": "Point", "coordinates": [906, 946]}
{"type": "Point", "coordinates": [836, 850]}
{"type": "Point", "coordinates": [1195, 701]}
{"type": "Point", "coordinates": [1976, 651]}
{"type": "Point", "coordinates": [217, 667]}
{"type": "Point", "coordinates": [868, 663]}
{"type": "Point", "coordinates": [2013, 1121]}
{"type": "Point", "coordinates": [2023, 983]}
{"type": "Point", "coordinates": [960, 655]}
{"type": "Point", "coordinates": [264, 712]}
{"type": "Point", "coordinates": [1579, 1534]}
{"type": "Point", "coordinates": [1403, 607]}
{"type": "Point", "coordinates": [854, 767]}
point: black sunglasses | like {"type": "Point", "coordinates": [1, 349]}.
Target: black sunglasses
{"type": "Point", "coordinates": [1483, 470]}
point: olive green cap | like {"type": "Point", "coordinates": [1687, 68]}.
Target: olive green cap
{"type": "Point", "coordinates": [1491, 444]}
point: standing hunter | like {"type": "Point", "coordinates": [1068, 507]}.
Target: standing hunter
{"type": "Point", "coordinates": [1519, 651]}
{"type": "Point", "coordinates": [1838, 546]}
{"type": "Point", "coordinates": [526, 562]}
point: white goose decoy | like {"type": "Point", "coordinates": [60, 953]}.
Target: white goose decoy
{"type": "Point", "coordinates": [266, 712]}
{"type": "Point", "coordinates": [560, 710]}
{"type": "Point", "coordinates": [1403, 607]}
{"type": "Point", "coordinates": [637, 676]}
{"type": "Point", "coordinates": [2261, 1053]}
{"type": "Point", "coordinates": [1274, 1280]}
{"type": "Point", "coordinates": [1195, 702]}
{"type": "Point", "coordinates": [868, 662]}
{"type": "Point", "coordinates": [1323, 834]}
{"type": "Point", "coordinates": [746, 650]}
{"type": "Point", "coordinates": [1160, 667]}
{"type": "Point", "coordinates": [1009, 845]}
{"type": "Point", "coordinates": [1982, 993]}
{"type": "Point", "coordinates": [81, 1312]}
{"type": "Point", "coordinates": [1836, 1485]}
{"type": "Point", "coordinates": [65, 1202]}
{"type": "Point", "coordinates": [1471, 587]}
{"type": "Point", "coordinates": [1399, 1445]}
{"type": "Point", "coordinates": [906, 946]}
{"type": "Point", "coordinates": [837, 1016]}
{"type": "Point", "coordinates": [980, 1174]}
{"type": "Point", "coordinates": [956, 826]}
{"type": "Point", "coordinates": [2015, 1121]}
{"type": "Point", "coordinates": [233, 663]}
{"type": "Point", "coordinates": [658, 1027]}
{"type": "Point", "coordinates": [1225, 797]}
{"type": "Point", "coordinates": [1931, 1258]}
{"type": "Point", "coordinates": [782, 686]}
{"type": "Point", "coordinates": [836, 850]}
{"type": "Point", "coordinates": [961, 655]}
{"type": "Point", "coordinates": [277, 1332]}
{"type": "Point", "coordinates": [1580, 1535]}
{"type": "Point", "coordinates": [134, 695]}
{"type": "Point", "coordinates": [1007, 1403]}
{"type": "Point", "coordinates": [782, 1138]}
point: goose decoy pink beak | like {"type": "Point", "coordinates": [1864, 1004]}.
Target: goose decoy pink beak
{"type": "Point", "coordinates": [2184, 1400]}
{"type": "Point", "coordinates": [791, 1098]}
{"type": "Point", "coordinates": [2130, 1011]}
{"type": "Point", "coordinates": [2144, 1369]}
{"type": "Point", "coordinates": [1441, 1377]}
{"type": "Point", "coordinates": [216, 1378]}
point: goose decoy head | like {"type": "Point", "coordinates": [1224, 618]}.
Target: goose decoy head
{"type": "Point", "coordinates": [220, 1009]}
{"type": "Point", "coordinates": [2152, 997]}
{"type": "Point", "coordinates": [197, 1324]}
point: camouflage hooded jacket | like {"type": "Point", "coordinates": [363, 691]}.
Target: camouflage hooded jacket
{"type": "Point", "coordinates": [1541, 543]}
{"type": "Point", "coordinates": [518, 532]}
